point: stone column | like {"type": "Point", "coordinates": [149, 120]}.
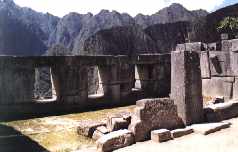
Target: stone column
{"type": "Point", "coordinates": [16, 82]}
{"type": "Point", "coordinates": [186, 86]}
{"type": "Point", "coordinates": [111, 87]}
{"type": "Point", "coordinates": [71, 84]}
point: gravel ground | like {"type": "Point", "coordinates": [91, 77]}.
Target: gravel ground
{"type": "Point", "coordinates": [221, 141]}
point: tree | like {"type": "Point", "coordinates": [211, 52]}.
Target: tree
{"type": "Point", "coordinates": [228, 25]}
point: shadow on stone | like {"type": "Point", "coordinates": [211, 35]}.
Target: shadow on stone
{"type": "Point", "coordinates": [11, 141]}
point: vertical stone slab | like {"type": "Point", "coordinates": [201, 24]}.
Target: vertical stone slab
{"type": "Point", "coordinates": [111, 87]}
{"type": "Point", "coordinates": [234, 56]}
{"type": "Point", "coordinates": [235, 88]}
{"type": "Point", "coordinates": [186, 86]}
{"type": "Point", "coordinates": [126, 78]}
{"type": "Point", "coordinates": [16, 82]}
{"type": "Point", "coordinates": [71, 84]}
{"type": "Point", "coordinates": [205, 65]}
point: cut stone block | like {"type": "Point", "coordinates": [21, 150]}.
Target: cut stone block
{"type": "Point", "coordinates": [181, 132]}
{"type": "Point", "coordinates": [151, 114]}
{"type": "Point", "coordinates": [217, 86]}
{"type": "Point", "coordinates": [117, 123]}
{"type": "Point", "coordinates": [220, 63]}
{"type": "Point", "coordinates": [161, 135]}
{"type": "Point", "coordinates": [221, 111]}
{"type": "Point", "coordinates": [115, 140]}
{"type": "Point", "coordinates": [206, 129]}
{"type": "Point", "coordinates": [186, 86]}
{"type": "Point", "coordinates": [234, 45]}
{"type": "Point", "coordinates": [205, 65]}
{"type": "Point", "coordinates": [86, 128]}
{"type": "Point", "coordinates": [99, 132]}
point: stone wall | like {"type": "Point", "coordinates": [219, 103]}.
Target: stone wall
{"type": "Point", "coordinates": [219, 70]}
{"type": "Point", "coordinates": [69, 75]}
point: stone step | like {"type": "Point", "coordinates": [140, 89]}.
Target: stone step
{"type": "Point", "coordinates": [181, 132]}
{"type": "Point", "coordinates": [206, 129]}
{"type": "Point", "coordinates": [161, 135]}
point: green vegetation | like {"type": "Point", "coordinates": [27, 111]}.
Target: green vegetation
{"type": "Point", "coordinates": [228, 25]}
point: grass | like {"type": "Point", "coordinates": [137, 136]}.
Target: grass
{"type": "Point", "coordinates": [59, 133]}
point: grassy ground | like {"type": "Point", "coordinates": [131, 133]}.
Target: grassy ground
{"type": "Point", "coordinates": [58, 133]}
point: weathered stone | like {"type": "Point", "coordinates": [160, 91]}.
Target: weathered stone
{"type": "Point", "coordinates": [206, 129]}
{"type": "Point", "coordinates": [217, 100]}
{"type": "Point", "coordinates": [220, 63]}
{"type": "Point", "coordinates": [224, 36]}
{"type": "Point", "coordinates": [218, 86]}
{"type": "Point", "coordinates": [86, 128]}
{"type": "Point", "coordinates": [221, 111]}
{"type": "Point", "coordinates": [181, 132]}
{"type": "Point", "coordinates": [234, 45]}
{"type": "Point", "coordinates": [213, 46]}
{"type": "Point", "coordinates": [16, 82]}
{"type": "Point", "coordinates": [205, 65]}
{"type": "Point", "coordinates": [154, 114]}
{"type": "Point", "coordinates": [115, 140]}
{"type": "Point", "coordinates": [117, 123]}
{"type": "Point", "coordinates": [161, 135]}
{"type": "Point", "coordinates": [70, 84]}
{"type": "Point", "coordinates": [186, 86]}
{"type": "Point", "coordinates": [99, 132]}
{"type": "Point", "coordinates": [234, 63]}
{"type": "Point", "coordinates": [196, 46]}
{"type": "Point", "coordinates": [235, 88]}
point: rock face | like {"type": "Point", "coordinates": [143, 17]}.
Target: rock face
{"type": "Point", "coordinates": [127, 40]}
{"type": "Point", "coordinates": [24, 30]}
{"type": "Point", "coordinates": [154, 114]}
{"type": "Point", "coordinates": [173, 13]}
{"type": "Point", "coordinates": [115, 140]}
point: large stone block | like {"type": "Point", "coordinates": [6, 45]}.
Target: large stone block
{"type": "Point", "coordinates": [221, 111]}
{"type": "Point", "coordinates": [86, 128]}
{"type": "Point", "coordinates": [16, 83]}
{"type": "Point", "coordinates": [196, 46]}
{"type": "Point", "coordinates": [218, 86]}
{"type": "Point", "coordinates": [152, 114]}
{"type": "Point", "coordinates": [186, 85]}
{"type": "Point", "coordinates": [234, 63]}
{"type": "Point", "coordinates": [205, 65]}
{"type": "Point", "coordinates": [115, 140]}
{"type": "Point", "coordinates": [220, 63]}
{"type": "Point", "coordinates": [235, 88]}
{"type": "Point", "coordinates": [234, 45]}
{"type": "Point", "coordinates": [117, 123]}
{"type": "Point", "coordinates": [71, 84]}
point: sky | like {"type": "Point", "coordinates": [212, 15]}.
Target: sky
{"type": "Point", "coordinates": [132, 7]}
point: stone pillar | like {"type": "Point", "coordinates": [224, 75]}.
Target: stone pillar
{"type": "Point", "coordinates": [186, 86]}
{"type": "Point", "coordinates": [109, 76]}
{"type": "Point", "coordinates": [71, 84]}
{"type": "Point", "coordinates": [117, 80]}
{"type": "Point", "coordinates": [126, 78]}
{"type": "Point", "coordinates": [16, 82]}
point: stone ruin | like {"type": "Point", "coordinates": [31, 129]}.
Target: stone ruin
{"type": "Point", "coordinates": [191, 72]}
